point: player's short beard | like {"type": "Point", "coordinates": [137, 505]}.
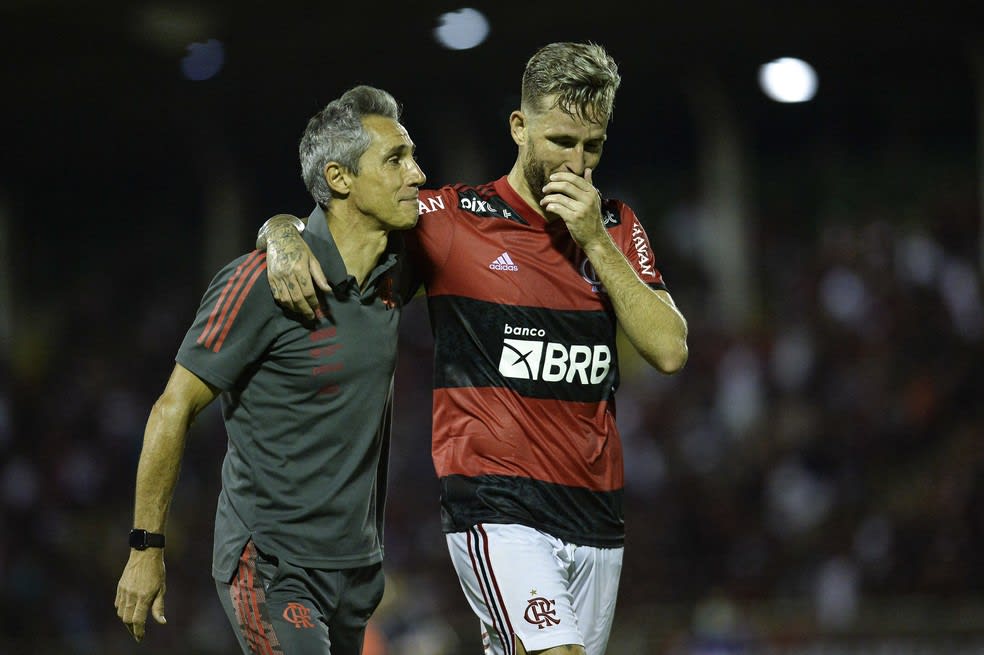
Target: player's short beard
{"type": "Point", "coordinates": [536, 177]}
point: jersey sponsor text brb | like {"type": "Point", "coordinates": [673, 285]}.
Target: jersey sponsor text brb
{"type": "Point", "coordinates": [551, 361]}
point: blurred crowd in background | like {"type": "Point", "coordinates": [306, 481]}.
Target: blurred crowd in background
{"type": "Point", "coordinates": [798, 477]}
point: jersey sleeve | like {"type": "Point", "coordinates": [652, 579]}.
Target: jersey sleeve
{"type": "Point", "coordinates": [634, 243]}
{"type": "Point", "coordinates": [232, 327]}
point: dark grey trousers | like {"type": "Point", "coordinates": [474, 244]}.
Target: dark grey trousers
{"type": "Point", "coordinates": [279, 609]}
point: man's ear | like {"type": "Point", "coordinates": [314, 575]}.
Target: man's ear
{"type": "Point", "coordinates": [517, 127]}
{"type": "Point", "coordinates": [338, 178]}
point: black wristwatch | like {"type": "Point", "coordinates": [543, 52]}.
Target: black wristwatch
{"type": "Point", "coordinates": [142, 540]}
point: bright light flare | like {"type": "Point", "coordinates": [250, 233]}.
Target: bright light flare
{"type": "Point", "coordinates": [462, 29]}
{"type": "Point", "coordinates": [788, 79]}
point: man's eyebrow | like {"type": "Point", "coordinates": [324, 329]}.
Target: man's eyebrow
{"type": "Point", "coordinates": [397, 149]}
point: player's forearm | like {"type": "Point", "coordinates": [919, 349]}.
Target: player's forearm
{"type": "Point", "coordinates": [160, 462]}
{"type": "Point", "coordinates": [650, 319]}
{"type": "Point", "coordinates": [279, 230]}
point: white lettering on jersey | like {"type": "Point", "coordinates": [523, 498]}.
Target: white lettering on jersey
{"type": "Point", "coordinates": [524, 331]}
{"type": "Point", "coordinates": [433, 204]}
{"type": "Point", "coordinates": [550, 361]}
{"type": "Point", "coordinates": [476, 205]}
{"type": "Point", "coordinates": [642, 250]}
{"type": "Point", "coordinates": [504, 263]}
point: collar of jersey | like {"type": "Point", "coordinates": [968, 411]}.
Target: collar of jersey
{"type": "Point", "coordinates": [530, 215]}
{"type": "Point", "coordinates": [318, 236]}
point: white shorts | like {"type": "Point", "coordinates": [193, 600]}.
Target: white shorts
{"type": "Point", "coordinates": [523, 582]}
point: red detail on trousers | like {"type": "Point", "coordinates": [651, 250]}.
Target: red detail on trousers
{"type": "Point", "coordinates": [251, 609]}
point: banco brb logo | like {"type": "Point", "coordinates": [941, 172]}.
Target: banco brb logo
{"type": "Point", "coordinates": [551, 361]}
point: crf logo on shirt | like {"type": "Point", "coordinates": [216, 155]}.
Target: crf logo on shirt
{"type": "Point", "coordinates": [541, 613]}
{"type": "Point", "coordinates": [298, 615]}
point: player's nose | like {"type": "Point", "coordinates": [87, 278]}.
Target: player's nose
{"type": "Point", "coordinates": [575, 162]}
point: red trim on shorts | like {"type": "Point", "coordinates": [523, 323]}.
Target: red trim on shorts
{"type": "Point", "coordinates": [506, 634]}
{"type": "Point", "coordinates": [249, 600]}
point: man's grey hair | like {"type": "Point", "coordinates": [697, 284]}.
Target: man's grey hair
{"type": "Point", "coordinates": [583, 76]}
{"type": "Point", "coordinates": [336, 134]}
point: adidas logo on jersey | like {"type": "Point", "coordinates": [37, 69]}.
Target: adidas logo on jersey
{"type": "Point", "coordinates": [503, 263]}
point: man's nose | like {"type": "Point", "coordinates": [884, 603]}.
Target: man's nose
{"type": "Point", "coordinates": [575, 160]}
{"type": "Point", "coordinates": [417, 176]}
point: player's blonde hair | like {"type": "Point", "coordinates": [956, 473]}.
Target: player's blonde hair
{"type": "Point", "coordinates": [583, 76]}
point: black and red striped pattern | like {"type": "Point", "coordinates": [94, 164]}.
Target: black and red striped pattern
{"type": "Point", "coordinates": [478, 551]}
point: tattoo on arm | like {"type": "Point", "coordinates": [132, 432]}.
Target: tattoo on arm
{"type": "Point", "coordinates": [278, 228]}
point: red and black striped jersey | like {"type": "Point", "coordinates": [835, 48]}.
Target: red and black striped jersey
{"type": "Point", "coordinates": [525, 363]}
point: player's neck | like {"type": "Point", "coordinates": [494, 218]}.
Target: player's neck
{"type": "Point", "coordinates": [359, 243]}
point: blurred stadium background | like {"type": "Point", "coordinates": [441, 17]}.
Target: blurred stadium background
{"type": "Point", "coordinates": [811, 483]}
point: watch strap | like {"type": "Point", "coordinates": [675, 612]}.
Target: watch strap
{"type": "Point", "coordinates": [142, 539]}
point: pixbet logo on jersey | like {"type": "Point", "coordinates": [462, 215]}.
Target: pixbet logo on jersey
{"type": "Point", "coordinates": [550, 361]}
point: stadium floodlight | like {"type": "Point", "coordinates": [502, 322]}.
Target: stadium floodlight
{"type": "Point", "coordinates": [788, 79]}
{"type": "Point", "coordinates": [462, 29]}
{"type": "Point", "coordinates": [203, 61]}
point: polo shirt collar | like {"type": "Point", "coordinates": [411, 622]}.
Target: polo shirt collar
{"type": "Point", "coordinates": [322, 243]}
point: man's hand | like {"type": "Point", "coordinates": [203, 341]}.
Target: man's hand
{"type": "Point", "coordinates": [141, 587]}
{"type": "Point", "coordinates": [292, 269]}
{"type": "Point", "coordinates": [575, 200]}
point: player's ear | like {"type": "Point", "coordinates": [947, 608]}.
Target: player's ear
{"type": "Point", "coordinates": [338, 178]}
{"type": "Point", "coordinates": [517, 127]}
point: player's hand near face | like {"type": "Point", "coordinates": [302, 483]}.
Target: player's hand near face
{"type": "Point", "coordinates": [575, 200]}
{"type": "Point", "coordinates": [141, 587]}
{"type": "Point", "coordinates": [292, 269]}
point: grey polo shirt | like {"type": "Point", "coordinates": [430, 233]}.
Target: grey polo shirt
{"type": "Point", "coordinates": [307, 408]}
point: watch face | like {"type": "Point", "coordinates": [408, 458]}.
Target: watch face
{"type": "Point", "coordinates": [138, 539]}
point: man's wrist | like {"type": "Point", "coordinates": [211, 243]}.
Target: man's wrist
{"type": "Point", "coordinates": [274, 222]}
{"type": "Point", "coordinates": [141, 539]}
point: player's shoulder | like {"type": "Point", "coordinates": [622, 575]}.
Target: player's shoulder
{"type": "Point", "coordinates": [466, 201]}
{"type": "Point", "coordinates": [616, 213]}
{"type": "Point", "coordinates": [432, 201]}
{"type": "Point", "coordinates": [450, 196]}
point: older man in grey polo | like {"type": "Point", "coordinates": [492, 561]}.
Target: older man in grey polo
{"type": "Point", "coordinates": [306, 403]}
